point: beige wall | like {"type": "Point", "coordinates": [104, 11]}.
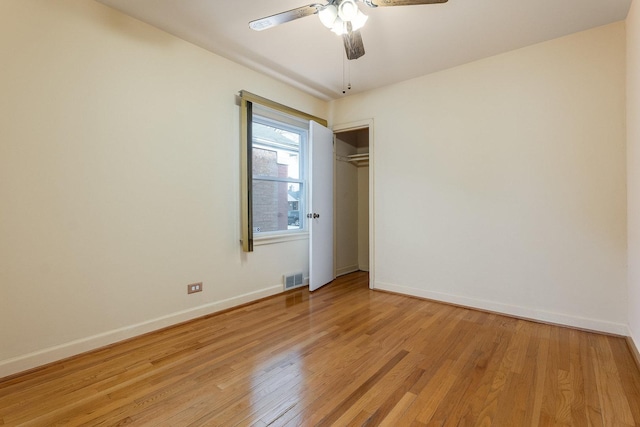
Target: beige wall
{"type": "Point", "coordinates": [119, 181]}
{"type": "Point", "coordinates": [633, 167]}
{"type": "Point", "coordinates": [511, 173]}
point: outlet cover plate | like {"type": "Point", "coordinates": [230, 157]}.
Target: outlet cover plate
{"type": "Point", "coordinates": [194, 287]}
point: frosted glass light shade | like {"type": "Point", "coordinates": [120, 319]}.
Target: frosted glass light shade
{"type": "Point", "coordinates": [339, 27]}
{"type": "Point", "coordinates": [336, 17]}
{"type": "Point", "coordinates": [359, 21]}
{"type": "Point", "coordinates": [328, 15]}
{"type": "Point", "coordinates": [348, 10]}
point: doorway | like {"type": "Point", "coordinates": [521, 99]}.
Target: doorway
{"type": "Point", "coordinates": [353, 204]}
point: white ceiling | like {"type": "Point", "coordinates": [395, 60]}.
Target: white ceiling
{"type": "Point", "coordinates": [401, 42]}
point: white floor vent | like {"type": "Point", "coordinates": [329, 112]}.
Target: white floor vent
{"type": "Point", "coordinates": [293, 281]}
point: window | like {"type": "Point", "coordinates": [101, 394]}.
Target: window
{"type": "Point", "coordinates": [273, 170]}
{"type": "Point", "coordinates": [279, 178]}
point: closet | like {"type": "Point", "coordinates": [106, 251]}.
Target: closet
{"type": "Point", "coordinates": [351, 201]}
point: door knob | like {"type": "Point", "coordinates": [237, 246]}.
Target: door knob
{"type": "Point", "coordinates": [315, 215]}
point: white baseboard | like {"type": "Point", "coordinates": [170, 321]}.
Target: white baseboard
{"type": "Point", "coordinates": [346, 270]}
{"type": "Point", "coordinates": [42, 357]}
{"type": "Point", "coordinates": [634, 348]}
{"type": "Point", "coordinates": [511, 310]}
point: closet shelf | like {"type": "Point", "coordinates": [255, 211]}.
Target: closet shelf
{"type": "Point", "coordinates": [359, 159]}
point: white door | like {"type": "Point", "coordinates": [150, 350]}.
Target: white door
{"type": "Point", "coordinates": [321, 206]}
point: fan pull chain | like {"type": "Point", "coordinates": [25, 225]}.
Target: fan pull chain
{"type": "Point", "coordinates": [343, 73]}
{"type": "Point", "coordinates": [346, 70]}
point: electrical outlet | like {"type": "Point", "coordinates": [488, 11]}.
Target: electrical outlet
{"type": "Point", "coordinates": [194, 287]}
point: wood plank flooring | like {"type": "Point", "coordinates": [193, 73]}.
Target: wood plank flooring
{"type": "Point", "coordinates": [344, 356]}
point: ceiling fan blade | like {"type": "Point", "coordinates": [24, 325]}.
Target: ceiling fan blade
{"type": "Point", "coordinates": [403, 2]}
{"type": "Point", "coordinates": [281, 18]}
{"type": "Point", "coordinates": [353, 44]}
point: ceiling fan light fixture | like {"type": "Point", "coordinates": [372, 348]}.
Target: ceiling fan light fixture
{"type": "Point", "coordinates": [348, 10]}
{"type": "Point", "coordinates": [342, 17]}
{"type": "Point", "coordinates": [328, 15]}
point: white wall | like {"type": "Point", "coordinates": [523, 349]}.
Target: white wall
{"type": "Point", "coordinates": [633, 167]}
{"type": "Point", "coordinates": [500, 184]}
{"type": "Point", "coordinates": [119, 181]}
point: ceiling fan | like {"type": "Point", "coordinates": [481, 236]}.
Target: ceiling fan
{"type": "Point", "coordinates": [343, 17]}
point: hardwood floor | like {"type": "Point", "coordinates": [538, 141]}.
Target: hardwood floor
{"type": "Point", "coordinates": [343, 355]}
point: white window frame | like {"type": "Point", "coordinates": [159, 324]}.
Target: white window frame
{"type": "Point", "coordinates": [290, 124]}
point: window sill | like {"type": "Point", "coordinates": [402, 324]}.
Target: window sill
{"type": "Point", "coordinates": [280, 238]}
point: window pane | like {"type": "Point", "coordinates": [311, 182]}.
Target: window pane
{"type": "Point", "coordinates": [276, 152]}
{"type": "Point", "coordinates": [276, 206]}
